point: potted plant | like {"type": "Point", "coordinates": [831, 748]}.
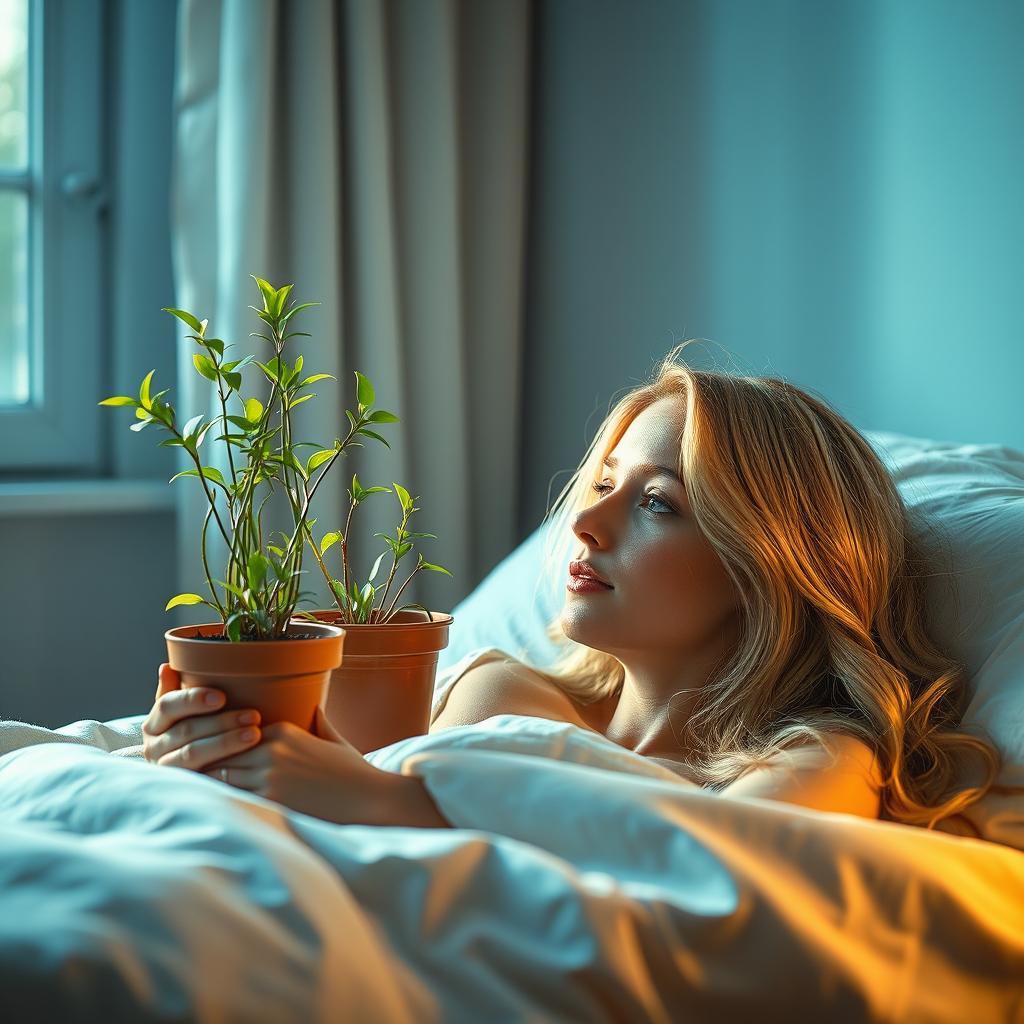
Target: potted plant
{"type": "Point", "coordinates": [256, 653]}
{"type": "Point", "coordinates": [381, 693]}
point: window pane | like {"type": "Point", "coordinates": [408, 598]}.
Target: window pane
{"type": "Point", "coordinates": [13, 297]}
{"type": "Point", "coordinates": [13, 83]}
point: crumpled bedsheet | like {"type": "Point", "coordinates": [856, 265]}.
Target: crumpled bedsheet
{"type": "Point", "coordinates": [581, 882]}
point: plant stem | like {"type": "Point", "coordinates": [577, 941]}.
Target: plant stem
{"type": "Point", "coordinates": [344, 549]}
{"type": "Point", "coordinates": [394, 564]}
{"type": "Point", "coordinates": [391, 610]}
{"type": "Point", "coordinates": [309, 494]}
{"type": "Point", "coordinates": [206, 566]}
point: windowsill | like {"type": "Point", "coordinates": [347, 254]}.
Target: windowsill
{"type": "Point", "coordinates": [84, 497]}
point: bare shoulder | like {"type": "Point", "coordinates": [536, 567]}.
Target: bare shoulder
{"type": "Point", "coordinates": [838, 750]}
{"type": "Point", "coordinates": [840, 773]}
{"type": "Point", "coordinates": [505, 686]}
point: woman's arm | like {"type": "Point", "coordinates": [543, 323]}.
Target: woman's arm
{"type": "Point", "coordinates": [843, 777]}
{"type": "Point", "coordinates": [408, 802]}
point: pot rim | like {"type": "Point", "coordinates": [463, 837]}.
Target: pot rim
{"type": "Point", "coordinates": [437, 619]}
{"type": "Point", "coordinates": [331, 632]}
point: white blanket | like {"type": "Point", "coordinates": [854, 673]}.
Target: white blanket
{"type": "Point", "coordinates": [581, 883]}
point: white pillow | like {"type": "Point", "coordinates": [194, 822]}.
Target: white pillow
{"type": "Point", "coordinates": [972, 499]}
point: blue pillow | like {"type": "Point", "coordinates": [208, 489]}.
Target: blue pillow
{"type": "Point", "coordinates": [509, 609]}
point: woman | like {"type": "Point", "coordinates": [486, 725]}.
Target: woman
{"type": "Point", "coordinates": [745, 605]}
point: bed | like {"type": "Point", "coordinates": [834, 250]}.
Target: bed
{"type": "Point", "coordinates": [580, 882]}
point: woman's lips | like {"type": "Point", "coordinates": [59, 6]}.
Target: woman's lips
{"type": "Point", "coordinates": [585, 585]}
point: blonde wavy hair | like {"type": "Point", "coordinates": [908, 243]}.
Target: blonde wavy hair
{"type": "Point", "coordinates": [809, 525]}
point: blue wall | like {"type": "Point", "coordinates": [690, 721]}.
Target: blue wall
{"type": "Point", "coordinates": [827, 191]}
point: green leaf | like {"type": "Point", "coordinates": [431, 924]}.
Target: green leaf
{"type": "Point", "coordinates": [298, 466]}
{"type": "Point", "coordinates": [434, 568]}
{"type": "Point", "coordinates": [280, 571]}
{"type": "Point", "coordinates": [191, 425]}
{"type": "Point", "coordinates": [403, 549]}
{"type": "Point", "coordinates": [376, 490]}
{"type": "Point", "coordinates": [253, 410]}
{"type": "Point", "coordinates": [351, 418]}
{"type": "Point", "coordinates": [171, 442]}
{"type": "Point", "coordinates": [202, 434]}
{"type": "Point", "coordinates": [376, 437]}
{"type": "Point", "coordinates": [186, 317]}
{"type": "Point", "coordinates": [205, 365]}
{"type": "Point", "coordinates": [364, 390]}
{"type": "Point", "coordinates": [268, 291]}
{"type": "Point", "coordinates": [141, 426]}
{"type": "Point", "coordinates": [184, 599]}
{"type": "Point", "coordinates": [234, 380]}
{"type": "Point", "coordinates": [256, 570]}
{"type": "Point", "coordinates": [380, 416]}
{"type": "Point", "coordinates": [144, 390]}
{"type": "Point", "coordinates": [280, 298]}
{"type": "Point", "coordinates": [216, 344]}
{"type": "Point", "coordinates": [118, 400]}
{"type": "Point", "coordinates": [237, 591]}
{"type": "Point", "coordinates": [319, 458]}
{"type": "Point", "coordinates": [314, 378]}
{"type": "Point", "coordinates": [271, 370]}
{"type": "Point", "coordinates": [296, 309]}
{"type": "Point", "coordinates": [329, 540]}
{"type": "Point", "coordinates": [403, 495]}
{"type": "Point", "coordinates": [299, 401]}
{"type": "Point", "coordinates": [233, 627]}
{"type": "Point", "coordinates": [339, 593]}
{"type": "Point", "coordinates": [295, 369]}
{"type": "Point", "coordinates": [208, 471]}
{"type": "Point", "coordinates": [376, 566]}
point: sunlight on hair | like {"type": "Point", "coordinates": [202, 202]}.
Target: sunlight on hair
{"type": "Point", "coordinates": [809, 525]}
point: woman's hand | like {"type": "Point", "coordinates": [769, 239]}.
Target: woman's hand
{"type": "Point", "coordinates": [322, 775]}
{"type": "Point", "coordinates": [185, 729]}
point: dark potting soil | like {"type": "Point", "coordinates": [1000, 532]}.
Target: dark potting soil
{"type": "Point", "coordinates": [256, 639]}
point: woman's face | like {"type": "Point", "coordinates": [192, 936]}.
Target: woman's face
{"type": "Point", "coordinates": [670, 594]}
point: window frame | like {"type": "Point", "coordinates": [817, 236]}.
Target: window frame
{"type": "Point", "coordinates": [59, 429]}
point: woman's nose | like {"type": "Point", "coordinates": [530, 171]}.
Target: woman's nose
{"type": "Point", "coordinates": [588, 528]}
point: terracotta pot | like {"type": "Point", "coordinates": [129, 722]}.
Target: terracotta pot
{"type": "Point", "coordinates": [382, 691]}
{"type": "Point", "coordinates": [285, 680]}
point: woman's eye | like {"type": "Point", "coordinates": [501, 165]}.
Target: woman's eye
{"type": "Point", "coordinates": [649, 499]}
{"type": "Point", "coordinates": [664, 504]}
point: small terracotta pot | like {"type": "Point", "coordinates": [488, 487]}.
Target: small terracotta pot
{"type": "Point", "coordinates": [285, 680]}
{"type": "Point", "coordinates": [382, 692]}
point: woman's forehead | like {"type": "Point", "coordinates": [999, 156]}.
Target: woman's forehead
{"type": "Point", "coordinates": [655, 433]}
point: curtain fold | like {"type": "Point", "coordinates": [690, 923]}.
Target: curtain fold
{"type": "Point", "coordinates": [375, 154]}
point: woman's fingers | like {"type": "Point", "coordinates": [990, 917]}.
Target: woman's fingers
{"type": "Point", "coordinates": [175, 705]}
{"type": "Point", "coordinates": [197, 754]}
{"type": "Point", "coordinates": [189, 728]}
{"type": "Point", "coordinates": [167, 679]}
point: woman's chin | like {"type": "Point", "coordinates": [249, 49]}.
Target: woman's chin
{"type": "Point", "coordinates": [576, 627]}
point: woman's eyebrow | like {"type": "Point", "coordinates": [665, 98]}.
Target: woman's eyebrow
{"type": "Point", "coordinates": [649, 468]}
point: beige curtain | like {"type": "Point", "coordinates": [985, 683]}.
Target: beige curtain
{"type": "Point", "coordinates": [375, 154]}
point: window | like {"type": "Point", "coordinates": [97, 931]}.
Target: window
{"type": "Point", "coordinates": [52, 194]}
